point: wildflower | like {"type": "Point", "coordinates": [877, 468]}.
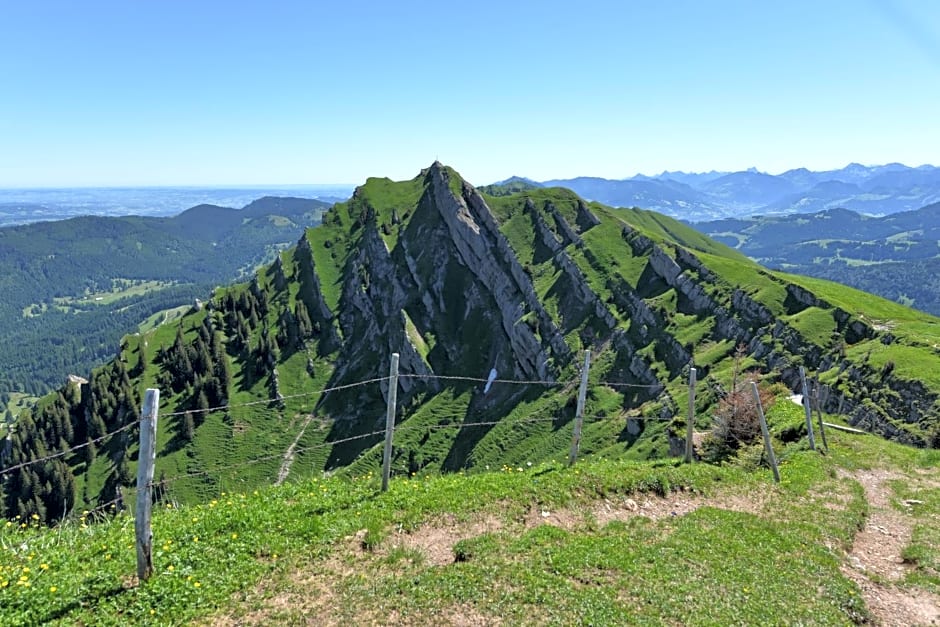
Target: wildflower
{"type": "Point", "coordinates": [195, 538]}
{"type": "Point", "coordinates": [170, 568]}
{"type": "Point", "coordinates": [197, 584]}
{"type": "Point", "coordinates": [44, 566]}
{"type": "Point", "coordinates": [53, 589]}
{"type": "Point", "coordinates": [26, 569]}
{"type": "Point", "coordinates": [35, 516]}
{"type": "Point", "coordinates": [4, 583]}
{"type": "Point", "coordinates": [234, 535]}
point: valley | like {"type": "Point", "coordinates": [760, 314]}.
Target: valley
{"type": "Point", "coordinates": [895, 256]}
{"type": "Point", "coordinates": [72, 288]}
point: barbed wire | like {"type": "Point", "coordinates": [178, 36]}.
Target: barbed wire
{"type": "Point", "coordinates": [547, 382]}
{"type": "Point", "coordinates": [462, 425]}
{"type": "Point", "coordinates": [77, 447]}
{"type": "Point", "coordinates": [617, 384]}
{"type": "Point", "coordinates": [335, 388]}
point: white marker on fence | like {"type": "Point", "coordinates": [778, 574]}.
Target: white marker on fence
{"type": "Point", "coordinates": [145, 461]}
{"type": "Point", "coordinates": [763, 428]}
{"type": "Point", "coordinates": [390, 420]}
{"type": "Point", "coordinates": [690, 421]}
{"type": "Point", "coordinates": [808, 410]}
{"type": "Point", "coordinates": [579, 411]}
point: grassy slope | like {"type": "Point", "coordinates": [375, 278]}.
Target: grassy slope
{"type": "Point", "coordinates": [751, 552]}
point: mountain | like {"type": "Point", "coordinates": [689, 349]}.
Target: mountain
{"type": "Point", "coordinates": [748, 188]}
{"type": "Point", "coordinates": [72, 288]}
{"type": "Point", "coordinates": [510, 186]}
{"type": "Point", "coordinates": [665, 196]}
{"type": "Point", "coordinates": [24, 206]}
{"type": "Point", "coordinates": [692, 179]}
{"type": "Point", "coordinates": [895, 256]}
{"type": "Point", "coordinates": [287, 375]}
{"type": "Point", "coordinates": [876, 190]}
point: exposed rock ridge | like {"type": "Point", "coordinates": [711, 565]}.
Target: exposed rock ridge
{"type": "Point", "coordinates": [542, 229]}
{"type": "Point", "coordinates": [373, 299]}
{"type": "Point", "coordinates": [566, 264]}
{"type": "Point", "coordinates": [476, 235]}
{"type": "Point", "coordinates": [585, 218]}
{"type": "Point", "coordinates": [312, 293]}
{"type": "Point", "coordinates": [568, 234]}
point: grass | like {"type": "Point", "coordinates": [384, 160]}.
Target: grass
{"type": "Point", "coordinates": [163, 317]}
{"type": "Point", "coordinates": [749, 553]}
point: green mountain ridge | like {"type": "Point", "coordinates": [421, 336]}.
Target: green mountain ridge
{"type": "Point", "coordinates": [459, 283]}
{"type": "Point", "coordinates": [895, 256]}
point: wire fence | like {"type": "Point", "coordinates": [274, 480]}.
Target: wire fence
{"type": "Point", "coordinates": [277, 465]}
{"type": "Point", "coordinates": [336, 388]}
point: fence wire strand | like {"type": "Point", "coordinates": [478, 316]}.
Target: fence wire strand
{"type": "Point", "coordinates": [72, 449]}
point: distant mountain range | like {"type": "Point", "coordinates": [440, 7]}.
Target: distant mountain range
{"type": "Point", "coordinates": [695, 197]}
{"type": "Point", "coordinates": [23, 206]}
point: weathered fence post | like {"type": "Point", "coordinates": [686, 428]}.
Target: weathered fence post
{"type": "Point", "coordinates": [579, 411]}
{"type": "Point", "coordinates": [145, 461]}
{"type": "Point", "coordinates": [763, 427]}
{"type": "Point", "coordinates": [808, 410]}
{"type": "Point", "coordinates": [690, 421]}
{"type": "Point", "coordinates": [822, 429]}
{"type": "Point", "coordinates": [390, 420]}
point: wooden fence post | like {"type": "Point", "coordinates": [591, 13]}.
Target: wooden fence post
{"type": "Point", "coordinates": [390, 420]}
{"type": "Point", "coordinates": [145, 462]}
{"type": "Point", "coordinates": [808, 410]}
{"type": "Point", "coordinates": [822, 429]}
{"type": "Point", "coordinates": [690, 421]}
{"type": "Point", "coordinates": [579, 411]}
{"type": "Point", "coordinates": [763, 427]}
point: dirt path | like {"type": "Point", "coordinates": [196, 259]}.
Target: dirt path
{"type": "Point", "coordinates": [875, 561]}
{"type": "Point", "coordinates": [289, 453]}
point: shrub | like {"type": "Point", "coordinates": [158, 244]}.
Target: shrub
{"type": "Point", "coordinates": [736, 422]}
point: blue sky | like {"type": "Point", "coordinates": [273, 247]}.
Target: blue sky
{"type": "Point", "coordinates": [201, 92]}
